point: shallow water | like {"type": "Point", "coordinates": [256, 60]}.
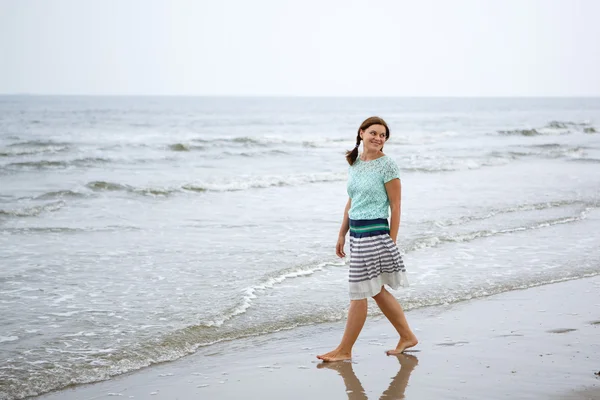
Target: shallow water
{"type": "Point", "coordinates": [134, 230]}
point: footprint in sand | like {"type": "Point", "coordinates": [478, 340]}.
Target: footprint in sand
{"type": "Point", "coordinates": [451, 343]}
{"type": "Point", "coordinates": [561, 330]}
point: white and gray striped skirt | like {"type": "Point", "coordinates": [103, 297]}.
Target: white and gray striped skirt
{"type": "Point", "coordinates": [374, 259]}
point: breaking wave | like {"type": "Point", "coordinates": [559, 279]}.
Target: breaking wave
{"type": "Point", "coordinates": [553, 128]}
{"type": "Point", "coordinates": [231, 186]}
{"type": "Point", "coordinates": [47, 164]}
{"type": "Point", "coordinates": [102, 186]}
{"type": "Point", "coordinates": [60, 194]}
{"type": "Point", "coordinates": [33, 211]}
{"type": "Point", "coordinates": [185, 147]}
{"type": "Point", "coordinates": [520, 208]}
{"type": "Point", "coordinates": [433, 241]}
{"type": "Point", "coordinates": [265, 182]}
{"type": "Point", "coordinates": [39, 144]}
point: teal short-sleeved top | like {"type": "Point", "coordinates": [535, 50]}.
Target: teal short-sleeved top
{"type": "Point", "coordinates": [366, 187]}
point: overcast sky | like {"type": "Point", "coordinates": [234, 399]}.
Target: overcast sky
{"type": "Point", "coordinates": [301, 47]}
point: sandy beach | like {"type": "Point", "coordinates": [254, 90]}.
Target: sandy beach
{"type": "Point", "coordinates": [539, 343]}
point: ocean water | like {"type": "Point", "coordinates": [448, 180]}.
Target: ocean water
{"type": "Point", "coordinates": [136, 230]}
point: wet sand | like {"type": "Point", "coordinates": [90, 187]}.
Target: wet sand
{"type": "Point", "coordinates": [538, 343]}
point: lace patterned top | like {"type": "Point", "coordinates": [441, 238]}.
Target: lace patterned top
{"type": "Point", "coordinates": [366, 187]}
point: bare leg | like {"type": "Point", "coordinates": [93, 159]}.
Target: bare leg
{"type": "Point", "coordinates": [395, 314]}
{"type": "Point", "coordinates": [357, 316]}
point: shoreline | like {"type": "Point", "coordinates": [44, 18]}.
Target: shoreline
{"type": "Point", "coordinates": [534, 343]}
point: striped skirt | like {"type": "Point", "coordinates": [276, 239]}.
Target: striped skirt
{"type": "Point", "coordinates": [374, 259]}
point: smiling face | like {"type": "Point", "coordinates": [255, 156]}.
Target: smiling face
{"type": "Point", "coordinates": [374, 138]}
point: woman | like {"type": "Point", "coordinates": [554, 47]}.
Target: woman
{"type": "Point", "coordinates": [374, 188]}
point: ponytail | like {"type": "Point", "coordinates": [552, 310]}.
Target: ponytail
{"type": "Point", "coordinates": [352, 155]}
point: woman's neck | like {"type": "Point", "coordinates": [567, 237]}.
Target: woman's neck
{"type": "Point", "coordinates": [371, 155]}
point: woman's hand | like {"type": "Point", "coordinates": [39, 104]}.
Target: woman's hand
{"type": "Point", "coordinates": [339, 247]}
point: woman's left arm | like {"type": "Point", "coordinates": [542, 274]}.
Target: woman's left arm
{"type": "Point", "coordinates": [394, 193]}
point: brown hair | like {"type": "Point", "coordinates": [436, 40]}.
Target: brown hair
{"type": "Point", "coordinates": [352, 155]}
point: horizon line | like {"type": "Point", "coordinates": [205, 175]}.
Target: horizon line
{"type": "Point", "coordinates": [303, 96]}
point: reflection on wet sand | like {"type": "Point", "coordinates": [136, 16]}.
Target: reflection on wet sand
{"type": "Point", "coordinates": [354, 388]}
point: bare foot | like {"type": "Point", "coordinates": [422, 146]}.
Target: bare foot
{"type": "Point", "coordinates": [403, 344]}
{"type": "Point", "coordinates": [335, 355]}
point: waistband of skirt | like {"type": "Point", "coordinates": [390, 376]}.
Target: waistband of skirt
{"type": "Point", "coordinates": [369, 227]}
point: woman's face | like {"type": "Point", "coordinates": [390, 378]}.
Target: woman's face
{"type": "Point", "coordinates": [373, 137]}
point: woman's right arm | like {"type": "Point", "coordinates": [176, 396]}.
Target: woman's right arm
{"type": "Point", "coordinates": [339, 248]}
{"type": "Point", "coordinates": [346, 221]}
